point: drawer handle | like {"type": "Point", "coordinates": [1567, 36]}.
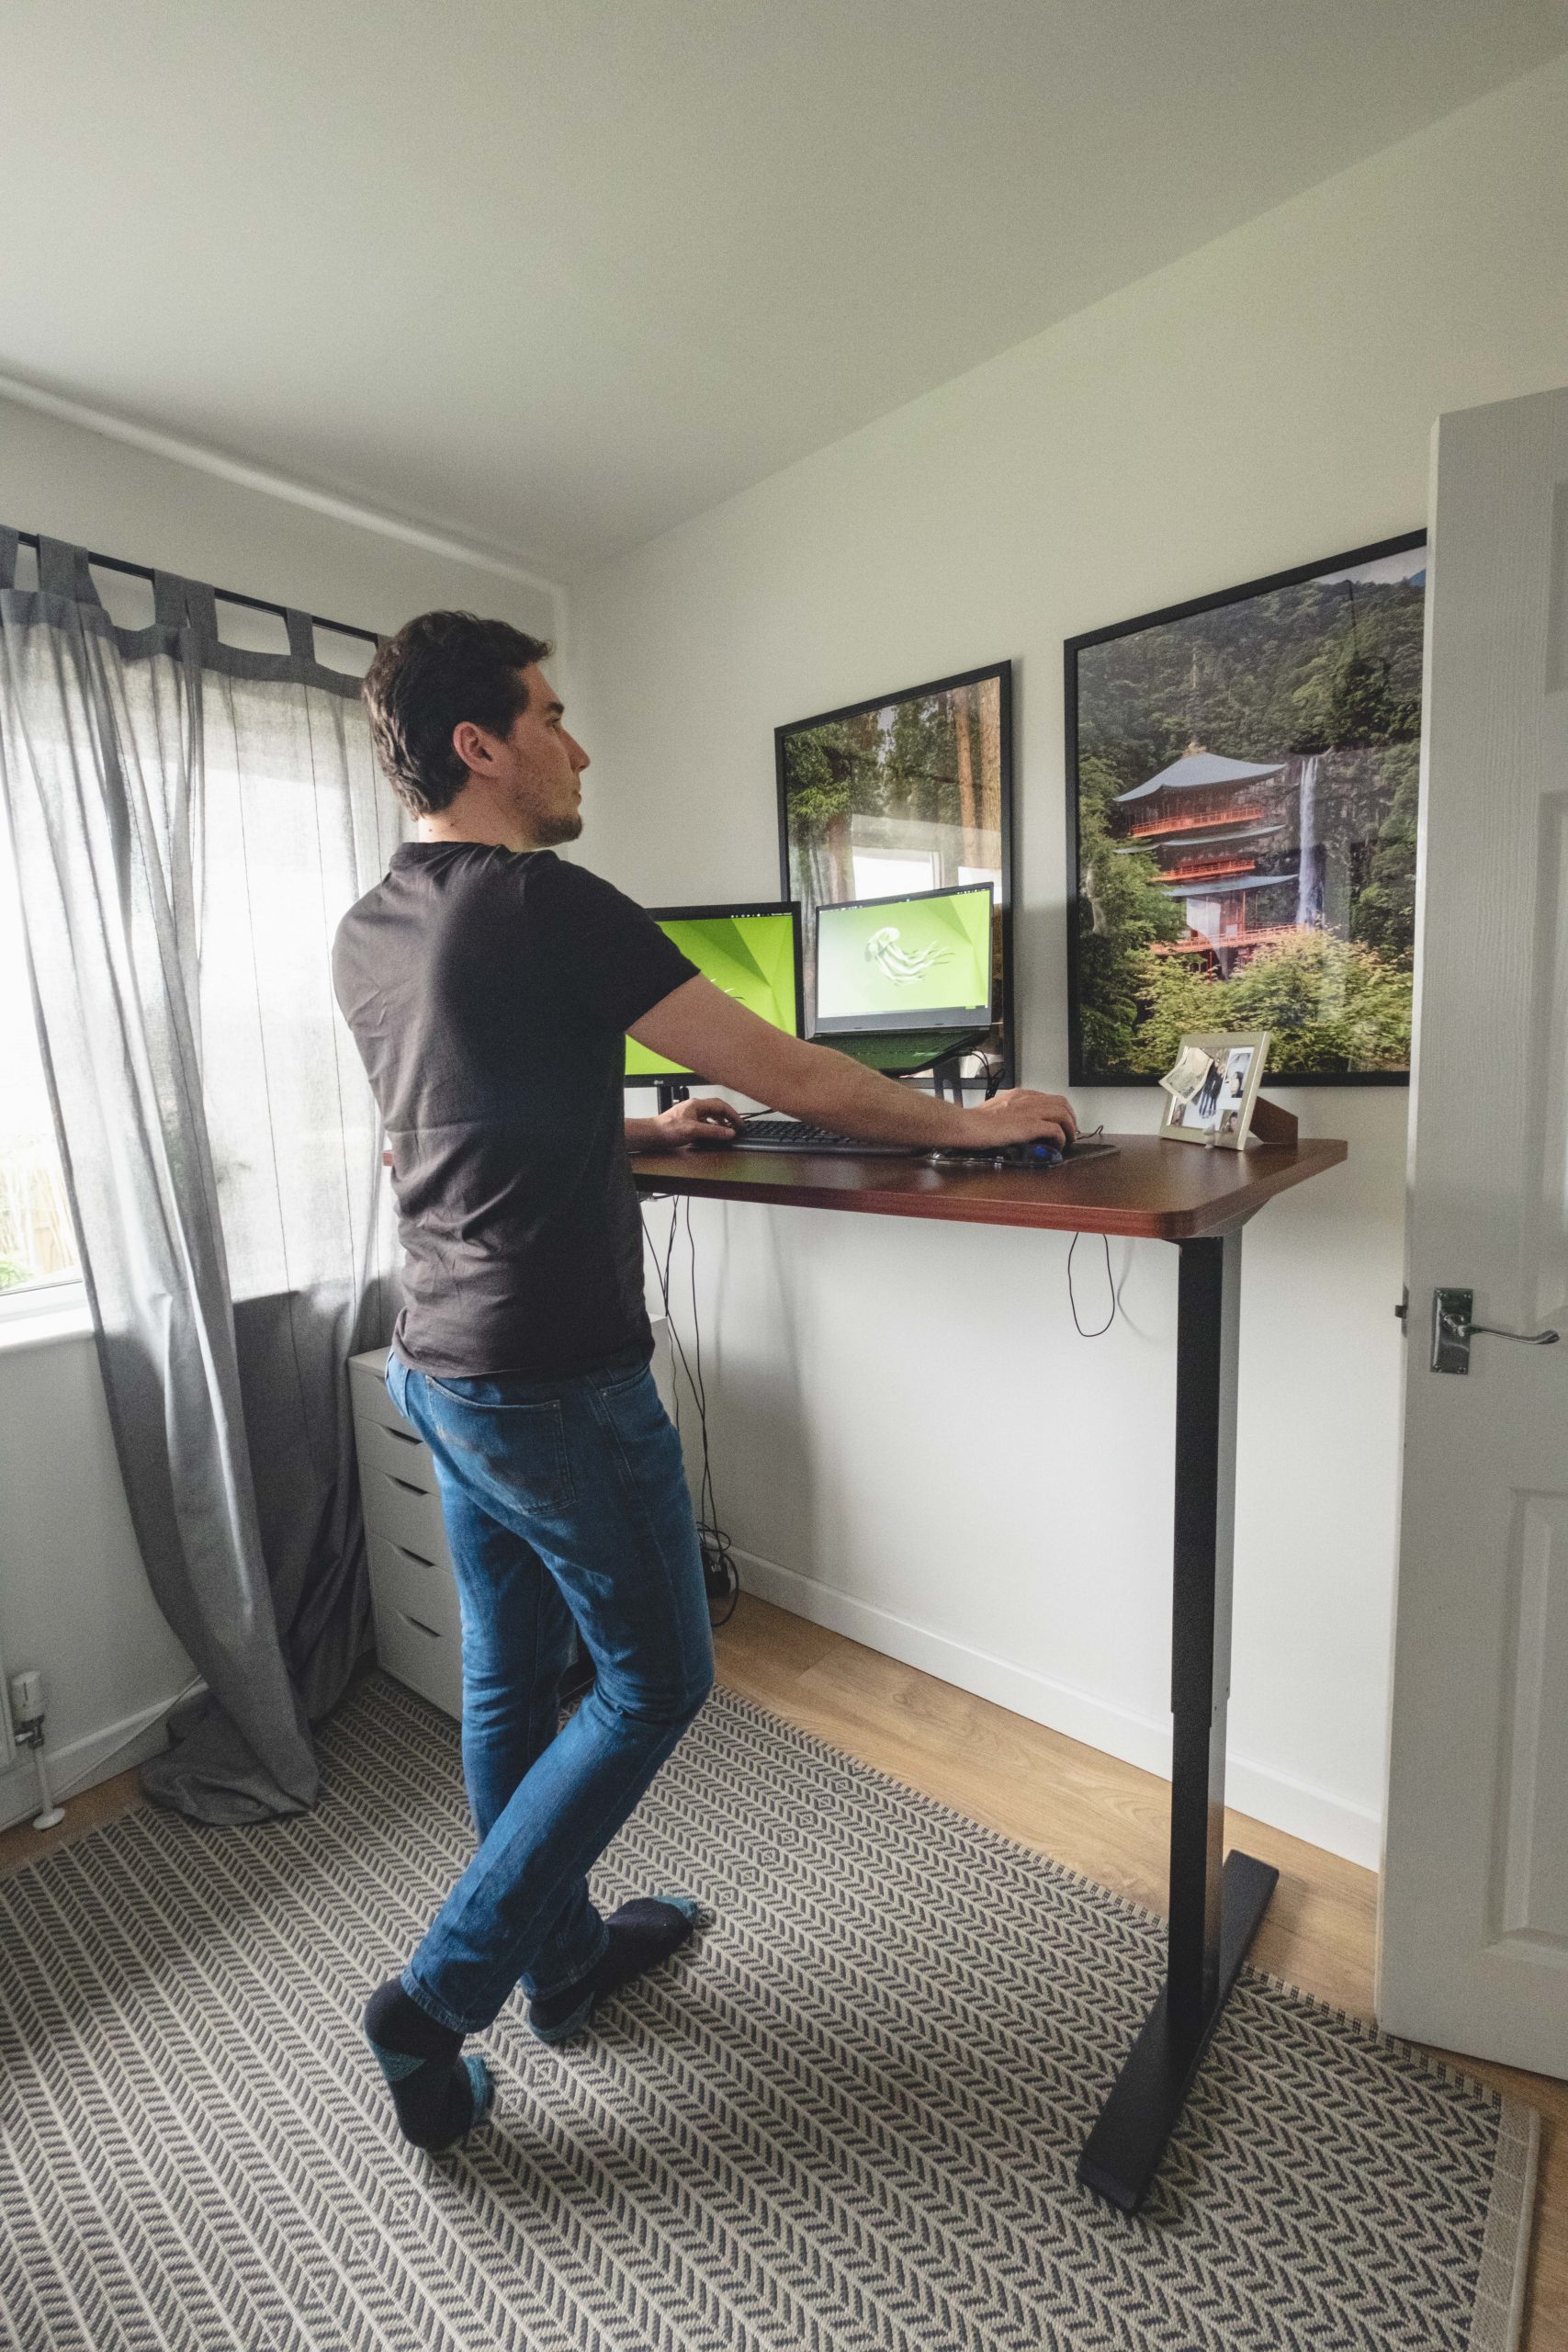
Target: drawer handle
{"type": "Point", "coordinates": [417, 1626]}
{"type": "Point", "coordinates": [407, 1483]}
{"type": "Point", "coordinates": [413, 1555]}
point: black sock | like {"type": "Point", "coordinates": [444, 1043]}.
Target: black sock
{"type": "Point", "coordinates": [641, 1935]}
{"type": "Point", "coordinates": [438, 2095]}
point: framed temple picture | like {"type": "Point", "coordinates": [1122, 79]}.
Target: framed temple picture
{"type": "Point", "coordinates": [901, 798]}
{"type": "Point", "coordinates": [1243, 794]}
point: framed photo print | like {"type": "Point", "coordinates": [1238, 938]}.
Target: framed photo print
{"type": "Point", "coordinates": [1212, 1087]}
{"type": "Point", "coordinates": [1243, 779]}
{"type": "Point", "coordinates": [899, 798]}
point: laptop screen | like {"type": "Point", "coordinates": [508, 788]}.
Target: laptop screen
{"type": "Point", "coordinates": [919, 961]}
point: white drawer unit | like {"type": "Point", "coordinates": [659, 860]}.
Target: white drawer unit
{"type": "Point", "coordinates": [413, 1592]}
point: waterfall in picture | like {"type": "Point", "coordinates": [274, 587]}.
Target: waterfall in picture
{"type": "Point", "coordinates": [1309, 880]}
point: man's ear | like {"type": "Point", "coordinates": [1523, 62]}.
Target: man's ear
{"type": "Point", "coordinates": [472, 745]}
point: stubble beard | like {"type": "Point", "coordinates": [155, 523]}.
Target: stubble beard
{"type": "Point", "coordinates": [550, 831]}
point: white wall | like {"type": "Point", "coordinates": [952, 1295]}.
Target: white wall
{"type": "Point", "coordinates": [73, 1596]}
{"type": "Point", "coordinates": [121, 500]}
{"type": "Point", "coordinates": [912, 1442]}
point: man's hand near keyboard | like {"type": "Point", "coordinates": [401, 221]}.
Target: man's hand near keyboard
{"type": "Point", "coordinates": [704, 1120]}
{"type": "Point", "coordinates": [698, 1027]}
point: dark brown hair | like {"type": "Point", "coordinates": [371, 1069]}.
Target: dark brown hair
{"type": "Point", "coordinates": [440, 669]}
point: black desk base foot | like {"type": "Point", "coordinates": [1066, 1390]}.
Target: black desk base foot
{"type": "Point", "coordinates": [1122, 2152]}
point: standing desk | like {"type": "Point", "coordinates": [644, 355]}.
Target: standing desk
{"type": "Point", "coordinates": [1198, 1199]}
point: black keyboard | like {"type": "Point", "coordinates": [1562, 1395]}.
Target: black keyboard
{"type": "Point", "coordinates": [797, 1135]}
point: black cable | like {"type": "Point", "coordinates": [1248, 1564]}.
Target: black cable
{"type": "Point", "coordinates": [1072, 1302]}
{"type": "Point", "coordinates": [661, 1268]}
{"type": "Point", "coordinates": [717, 1558]}
{"type": "Point", "coordinates": [993, 1076]}
{"type": "Point", "coordinates": [704, 1490]}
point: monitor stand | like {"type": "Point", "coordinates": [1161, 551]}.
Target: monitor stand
{"type": "Point", "coordinates": [946, 1074]}
{"type": "Point", "coordinates": [670, 1090]}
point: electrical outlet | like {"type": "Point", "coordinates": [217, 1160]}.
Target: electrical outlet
{"type": "Point", "coordinates": [26, 1699]}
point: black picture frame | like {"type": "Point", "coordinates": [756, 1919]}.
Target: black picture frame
{"type": "Point", "coordinates": [1082, 1071]}
{"type": "Point", "coordinates": [1003, 1042]}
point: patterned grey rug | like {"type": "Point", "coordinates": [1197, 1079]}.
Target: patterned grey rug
{"type": "Point", "coordinates": [847, 2119]}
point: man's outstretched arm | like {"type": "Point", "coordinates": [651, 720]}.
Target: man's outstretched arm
{"type": "Point", "coordinates": [700, 1027]}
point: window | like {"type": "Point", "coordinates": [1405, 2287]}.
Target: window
{"type": "Point", "coordinates": [878, 876]}
{"type": "Point", "coordinates": [278, 863]}
{"type": "Point", "coordinates": [38, 1264]}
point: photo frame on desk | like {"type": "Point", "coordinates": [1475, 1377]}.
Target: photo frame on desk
{"type": "Point", "coordinates": [1220, 1114]}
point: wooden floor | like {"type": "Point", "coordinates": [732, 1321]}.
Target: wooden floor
{"type": "Point", "coordinates": [1102, 1818]}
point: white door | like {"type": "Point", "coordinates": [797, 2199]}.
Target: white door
{"type": "Point", "coordinates": [1474, 1927]}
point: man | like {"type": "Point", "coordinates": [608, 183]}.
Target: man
{"type": "Point", "coordinates": [488, 986]}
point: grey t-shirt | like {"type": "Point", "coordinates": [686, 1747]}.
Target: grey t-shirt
{"type": "Point", "coordinates": [488, 992]}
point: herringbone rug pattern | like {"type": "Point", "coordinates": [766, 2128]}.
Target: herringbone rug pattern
{"type": "Point", "coordinates": [847, 2119]}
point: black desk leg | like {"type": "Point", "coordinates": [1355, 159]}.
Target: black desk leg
{"type": "Point", "coordinates": [1214, 1911]}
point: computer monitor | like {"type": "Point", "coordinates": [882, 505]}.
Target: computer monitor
{"type": "Point", "coordinates": [752, 952]}
{"type": "Point", "coordinates": [922, 961]}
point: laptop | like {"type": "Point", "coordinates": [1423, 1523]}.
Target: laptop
{"type": "Point", "coordinates": [904, 981]}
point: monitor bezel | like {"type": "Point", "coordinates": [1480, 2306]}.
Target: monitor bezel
{"type": "Point", "coordinates": [790, 907]}
{"type": "Point", "coordinates": [880, 1024]}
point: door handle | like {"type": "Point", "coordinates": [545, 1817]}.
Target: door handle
{"type": "Point", "coordinates": [1452, 1330]}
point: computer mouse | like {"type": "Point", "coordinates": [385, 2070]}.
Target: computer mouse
{"type": "Point", "coordinates": [1037, 1154]}
{"type": "Point", "coordinates": [1040, 1153]}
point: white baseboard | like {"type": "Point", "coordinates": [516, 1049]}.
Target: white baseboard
{"type": "Point", "coordinates": [82, 1763]}
{"type": "Point", "coordinates": [1293, 1806]}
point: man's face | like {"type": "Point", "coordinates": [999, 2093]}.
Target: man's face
{"type": "Point", "coordinates": [533, 770]}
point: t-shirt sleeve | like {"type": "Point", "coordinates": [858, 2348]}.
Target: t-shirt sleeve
{"type": "Point", "coordinates": [615, 962]}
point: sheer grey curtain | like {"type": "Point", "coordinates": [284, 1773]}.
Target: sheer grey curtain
{"type": "Point", "coordinates": [189, 820]}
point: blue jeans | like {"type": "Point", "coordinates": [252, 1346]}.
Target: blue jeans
{"type": "Point", "coordinates": [565, 1501]}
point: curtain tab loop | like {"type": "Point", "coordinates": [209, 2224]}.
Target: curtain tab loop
{"type": "Point", "coordinates": [301, 635]}
{"type": "Point", "coordinates": [62, 571]}
{"type": "Point", "coordinates": [185, 604]}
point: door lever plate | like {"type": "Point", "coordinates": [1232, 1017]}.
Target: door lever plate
{"type": "Point", "coordinates": [1451, 1313]}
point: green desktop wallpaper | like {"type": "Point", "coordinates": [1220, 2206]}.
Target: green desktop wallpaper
{"type": "Point", "coordinates": [751, 957]}
{"type": "Point", "coordinates": [912, 956]}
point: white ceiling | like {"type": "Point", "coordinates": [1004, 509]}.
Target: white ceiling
{"type": "Point", "coordinates": [555, 276]}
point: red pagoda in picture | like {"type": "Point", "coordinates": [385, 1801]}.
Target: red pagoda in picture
{"type": "Point", "coordinates": [1234, 841]}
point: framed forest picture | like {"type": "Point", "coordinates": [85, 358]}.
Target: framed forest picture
{"type": "Point", "coordinates": [1243, 779]}
{"type": "Point", "coordinates": [903, 794]}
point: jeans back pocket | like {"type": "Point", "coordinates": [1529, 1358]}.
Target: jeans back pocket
{"type": "Point", "coordinates": [515, 1445]}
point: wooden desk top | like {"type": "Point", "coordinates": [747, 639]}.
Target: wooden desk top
{"type": "Point", "coordinates": [1159, 1190]}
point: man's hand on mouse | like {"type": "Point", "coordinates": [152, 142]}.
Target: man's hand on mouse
{"type": "Point", "coordinates": [1019, 1115]}
{"type": "Point", "coordinates": [704, 1119]}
